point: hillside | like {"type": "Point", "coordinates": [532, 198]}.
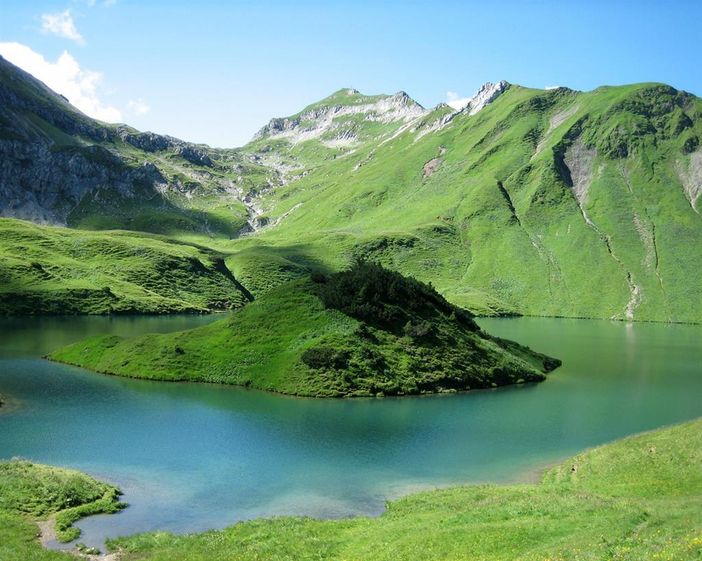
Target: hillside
{"type": "Point", "coordinates": [635, 499]}
{"type": "Point", "coordinates": [365, 331]}
{"type": "Point", "coordinates": [61, 167]}
{"type": "Point", "coordinates": [48, 270]}
{"type": "Point", "coordinates": [543, 202]}
{"type": "Point", "coordinates": [532, 205]}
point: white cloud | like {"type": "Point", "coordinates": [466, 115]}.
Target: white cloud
{"type": "Point", "coordinates": [66, 77]}
{"type": "Point", "coordinates": [552, 87]}
{"type": "Point", "coordinates": [138, 106]}
{"type": "Point", "coordinates": [93, 3]}
{"type": "Point", "coordinates": [456, 101]}
{"type": "Point", "coordinates": [61, 24]}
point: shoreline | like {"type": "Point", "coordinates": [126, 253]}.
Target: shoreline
{"type": "Point", "coordinates": [47, 535]}
{"type": "Point", "coordinates": [224, 312]}
{"type": "Point", "coordinates": [440, 393]}
{"type": "Point", "coordinates": [534, 477]}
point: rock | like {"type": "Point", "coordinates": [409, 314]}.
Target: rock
{"type": "Point", "coordinates": [487, 93]}
{"type": "Point", "coordinates": [431, 166]}
{"type": "Point", "coordinates": [195, 155]}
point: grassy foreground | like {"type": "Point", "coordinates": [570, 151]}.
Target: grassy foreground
{"type": "Point", "coordinates": [639, 498]}
{"type": "Point", "coordinates": [636, 499]}
{"type": "Point", "coordinates": [36, 492]}
{"type": "Point", "coordinates": [365, 331]}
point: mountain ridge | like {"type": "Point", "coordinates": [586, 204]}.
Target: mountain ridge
{"type": "Point", "coordinates": [527, 206]}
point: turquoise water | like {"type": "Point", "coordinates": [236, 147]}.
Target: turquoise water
{"type": "Point", "coordinates": [191, 457]}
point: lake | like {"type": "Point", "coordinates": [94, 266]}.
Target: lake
{"type": "Point", "coordinates": [191, 457]}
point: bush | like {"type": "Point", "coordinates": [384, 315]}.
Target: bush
{"type": "Point", "coordinates": [326, 357]}
{"type": "Point", "coordinates": [369, 292]}
{"type": "Point", "coordinates": [418, 330]}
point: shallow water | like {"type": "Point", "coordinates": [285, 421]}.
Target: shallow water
{"type": "Point", "coordinates": [191, 457]}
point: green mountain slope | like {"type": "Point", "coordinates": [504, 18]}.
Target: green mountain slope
{"type": "Point", "coordinates": [361, 332]}
{"type": "Point", "coordinates": [545, 202]}
{"type": "Point", "coordinates": [61, 167]}
{"type": "Point", "coordinates": [48, 270]}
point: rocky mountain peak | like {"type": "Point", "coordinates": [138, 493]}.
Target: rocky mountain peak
{"type": "Point", "coordinates": [322, 118]}
{"type": "Point", "coordinates": [486, 94]}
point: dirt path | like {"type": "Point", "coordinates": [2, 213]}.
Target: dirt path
{"type": "Point", "coordinates": [47, 534]}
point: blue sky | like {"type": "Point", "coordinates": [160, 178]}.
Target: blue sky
{"type": "Point", "coordinates": [216, 71]}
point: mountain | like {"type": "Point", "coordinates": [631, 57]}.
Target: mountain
{"type": "Point", "coordinates": [59, 167]}
{"type": "Point", "coordinates": [543, 202]}
{"type": "Point", "coordinates": [557, 202]}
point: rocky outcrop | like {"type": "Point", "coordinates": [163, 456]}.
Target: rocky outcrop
{"type": "Point", "coordinates": [487, 93]}
{"type": "Point", "coordinates": [44, 184]}
{"type": "Point", "coordinates": [151, 142]}
{"type": "Point", "coordinates": [691, 178]}
{"type": "Point", "coordinates": [579, 159]}
{"type": "Point", "coordinates": [53, 158]}
{"type": "Point", "coordinates": [332, 119]}
{"type": "Point", "coordinates": [430, 167]}
{"type": "Point", "coordinates": [195, 155]}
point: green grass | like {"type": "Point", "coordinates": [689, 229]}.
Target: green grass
{"type": "Point", "coordinates": [496, 227]}
{"type": "Point", "coordinates": [30, 492]}
{"type": "Point", "coordinates": [525, 247]}
{"type": "Point", "coordinates": [639, 498]}
{"type": "Point", "coordinates": [45, 270]}
{"type": "Point", "coordinates": [387, 335]}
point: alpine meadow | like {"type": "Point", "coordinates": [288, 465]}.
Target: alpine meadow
{"type": "Point", "coordinates": [386, 327]}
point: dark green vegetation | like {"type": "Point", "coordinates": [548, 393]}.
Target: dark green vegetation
{"type": "Point", "coordinates": [556, 202]}
{"type": "Point", "coordinates": [46, 270]}
{"type": "Point", "coordinates": [639, 498]}
{"type": "Point", "coordinates": [35, 492]}
{"type": "Point", "coordinates": [361, 332]}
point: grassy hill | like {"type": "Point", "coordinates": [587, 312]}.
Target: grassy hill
{"type": "Point", "coordinates": [545, 202]}
{"type": "Point", "coordinates": [48, 270]}
{"type": "Point", "coordinates": [361, 332]}
{"type": "Point", "coordinates": [33, 492]}
{"type": "Point", "coordinates": [638, 498]}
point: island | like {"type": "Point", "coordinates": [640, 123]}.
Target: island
{"type": "Point", "coordinates": [365, 331]}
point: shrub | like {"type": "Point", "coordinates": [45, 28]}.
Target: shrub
{"type": "Point", "coordinates": [369, 292]}
{"type": "Point", "coordinates": [326, 357]}
{"type": "Point", "coordinates": [418, 330]}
